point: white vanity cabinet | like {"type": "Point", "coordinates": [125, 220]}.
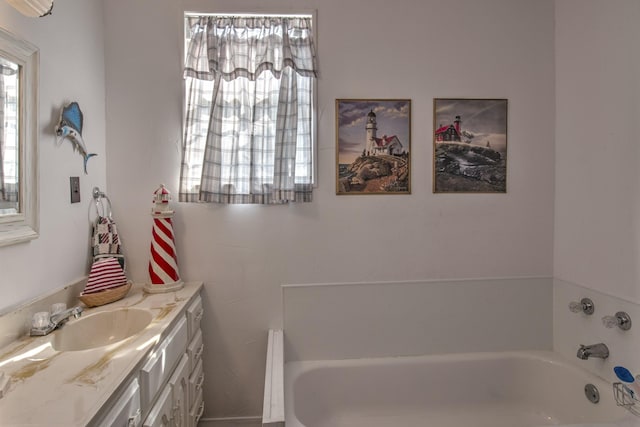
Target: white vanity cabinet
{"type": "Point", "coordinates": [166, 389]}
{"type": "Point", "coordinates": [176, 369]}
{"type": "Point", "coordinates": [195, 348]}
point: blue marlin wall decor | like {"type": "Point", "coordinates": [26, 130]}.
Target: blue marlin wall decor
{"type": "Point", "coordinates": [70, 126]}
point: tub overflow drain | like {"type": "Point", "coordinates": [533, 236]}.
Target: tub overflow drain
{"type": "Point", "coordinates": [592, 393]}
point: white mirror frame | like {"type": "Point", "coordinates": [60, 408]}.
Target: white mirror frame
{"type": "Point", "coordinates": [24, 225]}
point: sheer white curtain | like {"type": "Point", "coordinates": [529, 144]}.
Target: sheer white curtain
{"type": "Point", "coordinates": [248, 130]}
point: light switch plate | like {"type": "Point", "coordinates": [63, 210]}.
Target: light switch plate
{"type": "Point", "coordinates": [74, 183]}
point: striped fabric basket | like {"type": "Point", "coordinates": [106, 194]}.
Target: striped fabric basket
{"type": "Point", "coordinates": [105, 297]}
{"type": "Point", "coordinates": [107, 283]}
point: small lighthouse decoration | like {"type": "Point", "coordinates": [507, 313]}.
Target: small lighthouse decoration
{"type": "Point", "coordinates": [163, 263]}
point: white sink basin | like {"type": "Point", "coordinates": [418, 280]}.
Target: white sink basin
{"type": "Point", "coordinates": [99, 329]}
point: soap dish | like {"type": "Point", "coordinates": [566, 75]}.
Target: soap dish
{"type": "Point", "coordinates": [105, 297]}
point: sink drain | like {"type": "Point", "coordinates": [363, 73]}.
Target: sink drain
{"type": "Point", "coordinates": [592, 393]}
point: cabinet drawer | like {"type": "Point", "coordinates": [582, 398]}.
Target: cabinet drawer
{"type": "Point", "coordinates": [161, 413]}
{"type": "Point", "coordinates": [161, 363]}
{"type": "Point", "coordinates": [194, 316]}
{"type": "Point", "coordinates": [195, 383]}
{"type": "Point", "coordinates": [125, 412]}
{"type": "Point", "coordinates": [194, 350]}
{"type": "Point", "coordinates": [196, 412]}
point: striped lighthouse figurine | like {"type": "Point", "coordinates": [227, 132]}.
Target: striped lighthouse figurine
{"type": "Point", "coordinates": [163, 263]}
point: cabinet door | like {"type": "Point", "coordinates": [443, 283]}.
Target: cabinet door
{"type": "Point", "coordinates": [161, 413]}
{"type": "Point", "coordinates": [195, 311]}
{"type": "Point", "coordinates": [194, 350]}
{"type": "Point", "coordinates": [196, 412]}
{"type": "Point", "coordinates": [125, 412]}
{"type": "Point", "coordinates": [179, 383]}
{"type": "Point", "coordinates": [161, 363]}
{"type": "Point", "coordinates": [195, 383]}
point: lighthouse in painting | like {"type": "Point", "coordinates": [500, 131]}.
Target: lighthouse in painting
{"type": "Point", "coordinates": [372, 127]}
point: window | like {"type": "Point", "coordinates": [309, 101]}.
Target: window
{"type": "Point", "coordinates": [249, 95]}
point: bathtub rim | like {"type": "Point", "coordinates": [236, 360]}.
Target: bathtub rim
{"type": "Point", "coordinates": [273, 405]}
{"type": "Point", "coordinates": [546, 356]}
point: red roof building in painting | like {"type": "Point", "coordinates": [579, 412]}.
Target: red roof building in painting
{"type": "Point", "coordinates": [449, 133]}
{"type": "Point", "coordinates": [387, 145]}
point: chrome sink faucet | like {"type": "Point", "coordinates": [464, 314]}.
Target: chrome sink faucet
{"type": "Point", "coordinates": [599, 350]}
{"type": "Point", "coordinates": [57, 320]}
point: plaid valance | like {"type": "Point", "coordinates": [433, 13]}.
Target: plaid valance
{"type": "Point", "coordinates": [244, 46]}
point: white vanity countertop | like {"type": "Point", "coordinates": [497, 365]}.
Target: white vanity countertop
{"type": "Point", "coordinates": [51, 388]}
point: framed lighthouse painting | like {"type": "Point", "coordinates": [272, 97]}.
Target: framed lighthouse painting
{"type": "Point", "coordinates": [373, 146]}
{"type": "Point", "coordinates": [470, 145]}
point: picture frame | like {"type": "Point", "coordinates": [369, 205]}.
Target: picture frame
{"type": "Point", "coordinates": [373, 146]}
{"type": "Point", "coordinates": [470, 145]}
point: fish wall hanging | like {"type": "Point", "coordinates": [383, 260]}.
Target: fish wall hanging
{"type": "Point", "coordinates": [70, 126]}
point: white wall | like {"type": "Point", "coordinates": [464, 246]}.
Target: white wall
{"type": "Point", "coordinates": [388, 319]}
{"type": "Point", "coordinates": [368, 49]}
{"type": "Point", "coordinates": [71, 43]}
{"type": "Point", "coordinates": [597, 203]}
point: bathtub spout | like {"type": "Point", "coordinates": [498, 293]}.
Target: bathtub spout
{"type": "Point", "coordinates": [596, 350]}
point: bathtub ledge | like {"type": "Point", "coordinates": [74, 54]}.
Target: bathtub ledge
{"type": "Point", "coordinates": [273, 404]}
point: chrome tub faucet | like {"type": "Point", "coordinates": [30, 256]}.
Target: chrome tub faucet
{"type": "Point", "coordinates": [599, 350]}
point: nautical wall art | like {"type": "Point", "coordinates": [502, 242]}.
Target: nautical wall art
{"type": "Point", "coordinates": [373, 146]}
{"type": "Point", "coordinates": [70, 127]}
{"type": "Point", "coordinates": [470, 145]}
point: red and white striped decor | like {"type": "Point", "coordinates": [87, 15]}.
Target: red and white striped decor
{"type": "Point", "coordinates": [163, 264]}
{"type": "Point", "coordinates": [106, 273]}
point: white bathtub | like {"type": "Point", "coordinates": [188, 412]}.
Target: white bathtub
{"type": "Point", "coordinates": [508, 389]}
